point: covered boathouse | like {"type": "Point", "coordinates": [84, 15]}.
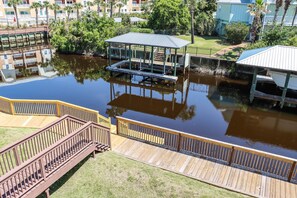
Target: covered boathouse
{"type": "Point", "coordinates": [280, 65]}
{"type": "Point", "coordinates": [155, 55]}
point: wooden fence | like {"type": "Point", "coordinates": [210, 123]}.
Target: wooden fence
{"type": "Point", "coordinates": [51, 107]}
{"type": "Point", "coordinates": [37, 174]}
{"type": "Point", "coordinates": [229, 154]}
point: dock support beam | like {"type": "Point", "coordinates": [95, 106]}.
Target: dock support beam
{"type": "Point", "coordinates": [152, 60]}
{"type": "Point", "coordinates": [254, 84]}
{"type": "Point", "coordinates": [175, 60]}
{"type": "Point", "coordinates": [164, 61]}
{"type": "Point", "coordinates": [130, 53]}
{"type": "Point", "coordinates": [285, 90]}
{"type": "Point", "coordinates": [144, 53]}
{"type": "Point", "coordinates": [109, 53]}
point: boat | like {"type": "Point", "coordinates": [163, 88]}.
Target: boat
{"type": "Point", "coordinates": [280, 78]}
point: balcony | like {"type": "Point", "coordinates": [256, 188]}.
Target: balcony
{"type": "Point", "coordinates": [30, 54]}
{"type": "Point", "coordinates": [268, 20]}
{"type": "Point", "coordinates": [18, 56]}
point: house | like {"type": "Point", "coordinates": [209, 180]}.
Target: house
{"type": "Point", "coordinates": [230, 11]}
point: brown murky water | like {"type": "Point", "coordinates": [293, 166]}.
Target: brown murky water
{"type": "Point", "coordinates": [208, 106]}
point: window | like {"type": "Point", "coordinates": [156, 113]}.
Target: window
{"type": "Point", "coordinates": [7, 66]}
{"type": "Point", "coordinates": [45, 52]}
{"type": "Point", "coordinates": [9, 12]}
{"type": "Point", "coordinates": [5, 56]}
{"type": "Point", "coordinates": [40, 12]}
{"type": "Point", "coordinates": [24, 13]}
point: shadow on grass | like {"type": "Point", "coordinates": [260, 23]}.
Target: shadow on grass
{"type": "Point", "coordinates": [65, 178]}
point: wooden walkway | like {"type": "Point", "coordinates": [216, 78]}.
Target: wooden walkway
{"type": "Point", "coordinates": [204, 170]}
{"type": "Point", "coordinates": [7, 120]}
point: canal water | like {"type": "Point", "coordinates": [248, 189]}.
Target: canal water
{"type": "Point", "coordinates": [213, 107]}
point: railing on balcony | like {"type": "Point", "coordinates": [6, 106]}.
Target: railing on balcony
{"type": "Point", "coordinates": [268, 20]}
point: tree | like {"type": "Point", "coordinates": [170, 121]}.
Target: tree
{"type": "Point", "coordinates": [104, 5]}
{"type": "Point", "coordinates": [89, 5]}
{"type": "Point", "coordinates": [192, 5]}
{"type": "Point", "coordinates": [55, 8]}
{"type": "Point", "coordinates": [294, 18]}
{"type": "Point", "coordinates": [14, 4]}
{"type": "Point", "coordinates": [46, 5]}
{"type": "Point", "coordinates": [111, 4]}
{"type": "Point", "coordinates": [77, 7]}
{"type": "Point", "coordinates": [172, 16]}
{"type": "Point", "coordinates": [236, 32]}
{"type": "Point", "coordinates": [278, 4]}
{"type": "Point", "coordinates": [68, 10]}
{"type": "Point", "coordinates": [36, 6]}
{"type": "Point", "coordinates": [257, 10]}
{"type": "Point", "coordinates": [204, 20]}
{"type": "Point", "coordinates": [98, 3]}
{"type": "Point", "coordinates": [286, 7]}
{"type": "Point", "coordinates": [121, 4]}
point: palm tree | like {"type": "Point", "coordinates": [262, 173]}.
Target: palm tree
{"type": "Point", "coordinates": [121, 4]}
{"type": "Point", "coordinates": [14, 4]}
{"type": "Point", "coordinates": [55, 8]}
{"type": "Point", "coordinates": [257, 9]}
{"type": "Point", "coordinates": [278, 4]}
{"type": "Point", "coordinates": [68, 10]}
{"type": "Point", "coordinates": [295, 14]}
{"type": "Point", "coordinates": [192, 5]}
{"type": "Point", "coordinates": [286, 7]}
{"type": "Point", "coordinates": [46, 5]}
{"type": "Point", "coordinates": [98, 3]}
{"type": "Point", "coordinates": [111, 3]}
{"type": "Point", "coordinates": [89, 5]}
{"type": "Point", "coordinates": [77, 6]}
{"type": "Point", "coordinates": [104, 5]}
{"type": "Point", "coordinates": [36, 6]}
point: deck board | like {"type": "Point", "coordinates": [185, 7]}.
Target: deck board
{"type": "Point", "coordinates": [220, 175]}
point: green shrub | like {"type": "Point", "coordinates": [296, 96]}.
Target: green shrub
{"type": "Point", "coordinates": [236, 32]}
{"type": "Point", "coordinates": [142, 30]}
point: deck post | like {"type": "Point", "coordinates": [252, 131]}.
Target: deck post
{"type": "Point", "coordinates": [164, 60]}
{"type": "Point", "coordinates": [254, 84]}
{"type": "Point", "coordinates": [125, 51]}
{"type": "Point", "coordinates": [285, 90]}
{"type": "Point", "coordinates": [175, 60]}
{"type": "Point", "coordinates": [152, 59]}
{"type": "Point", "coordinates": [130, 64]}
{"type": "Point", "coordinates": [144, 52]}
{"type": "Point", "coordinates": [185, 59]}
{"type": "Point", "coordinates": [109, 53]}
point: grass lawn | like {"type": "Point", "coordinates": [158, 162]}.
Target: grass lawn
{"type": "Point", "coordinates": [204, 44]}
{"type": "Point", "coordinates": [10, 135]}
{"type": "Point", "coordinates": [111, 175]}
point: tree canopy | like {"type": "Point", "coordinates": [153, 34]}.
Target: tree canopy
{"type": "Point", "coordinates": [170, 16]}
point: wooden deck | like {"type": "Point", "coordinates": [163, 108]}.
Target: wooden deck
{"type": "Point", "coordinates": [204, 170]}
{"type": "Point", "coordinates": [7, 120]}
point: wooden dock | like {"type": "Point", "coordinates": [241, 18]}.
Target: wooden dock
{"type": "Point", "coordinates": [213, 173]}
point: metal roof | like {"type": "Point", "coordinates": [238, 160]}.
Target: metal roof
{"type": "Point", "coordinates": [156, 40]}
{"type": "Point", "coordinates": [276, 57]}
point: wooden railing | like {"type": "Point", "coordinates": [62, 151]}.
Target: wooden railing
{"type": "Point", "coordinates": [23, 150]}
{"type": "Point", "coordinates": [51, 107]}
{"type": "Point", "coordinates": [233, 155]}
{"type": "Point", "coordinates": [37, 174]}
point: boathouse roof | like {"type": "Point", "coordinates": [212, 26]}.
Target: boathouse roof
{"type": "Point", "coordinates": [283, 58]}
{"type": "Point", "coordinates": [155, 40]}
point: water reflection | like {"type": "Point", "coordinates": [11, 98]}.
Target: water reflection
{"type": "Point", "coordinates": [141, 94]}
{"type": "Point", "coordinates": [209, 106]}
{"type": "Point", "coordinates": [26, 63]}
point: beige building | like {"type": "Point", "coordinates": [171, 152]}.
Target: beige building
{"type": "Point", "coordinates": [27, 15]}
